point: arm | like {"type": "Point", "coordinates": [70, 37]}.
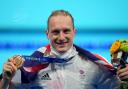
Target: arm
{"type": "Point", "coordinates": [9, 70]}
{"type": "Point", "coordinates": [108, 80]}
{"type": "Point", "coordinates": [4, 83]}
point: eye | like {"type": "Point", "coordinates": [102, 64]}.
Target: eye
{"type": "Point", "coordinates": [56, 31]}
{"type": "Point", "coordinates": [67, 31]}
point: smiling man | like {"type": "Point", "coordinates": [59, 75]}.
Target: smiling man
{"type": "Point", "coordinates": [71, 68]}
{"type": "Point", "coordinates": [61, 32]}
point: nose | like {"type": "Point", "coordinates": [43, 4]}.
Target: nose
{"type": "Point", "coordinates": [61, 36]}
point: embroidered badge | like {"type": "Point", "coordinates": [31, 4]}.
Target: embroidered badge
{"type": "Point", "coordinates": [82, 74]}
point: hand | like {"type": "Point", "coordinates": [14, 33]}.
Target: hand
{"type": "Point", "coordinates": [123, 73]}
{"type": "Point", "coordinates": [11, 66]}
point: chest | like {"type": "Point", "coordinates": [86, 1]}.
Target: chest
{"type": "Point", "coordinates": [79, 74]}
{"type": "Point", "coordinates": [67, 76]}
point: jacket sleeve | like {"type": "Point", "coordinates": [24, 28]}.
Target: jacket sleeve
{"type": "Point", "coordinates": [108, 80]}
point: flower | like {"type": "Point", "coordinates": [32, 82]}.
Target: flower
{"type": "Point", "coordinates": [115, 46]}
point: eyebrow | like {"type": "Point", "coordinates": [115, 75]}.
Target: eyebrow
{"type": "Point", "coordinates": [67, 29]}
{"type": "Point", "coordinates": [58, 30]}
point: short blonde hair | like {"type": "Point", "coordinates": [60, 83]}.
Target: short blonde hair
{"type": "Point", "coordinates": [60, 12]}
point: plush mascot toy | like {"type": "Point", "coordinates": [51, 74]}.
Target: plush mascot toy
{"type": "Point", "coordinates": [119, 57]}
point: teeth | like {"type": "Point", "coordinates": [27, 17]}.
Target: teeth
{"type": "Point", "coordinates": [61, 43]}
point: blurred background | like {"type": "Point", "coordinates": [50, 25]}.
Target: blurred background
{"type": "Point", "coordinates": [98, 23]}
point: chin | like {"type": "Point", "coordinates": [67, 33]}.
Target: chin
{"type": "Point", "coordinates": [62, 50]}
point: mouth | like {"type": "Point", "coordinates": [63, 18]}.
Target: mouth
{"type": "Point", "coordinates": [61, 43]}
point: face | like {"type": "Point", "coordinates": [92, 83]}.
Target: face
{"type": "Point", "coordinates": [61, 33]}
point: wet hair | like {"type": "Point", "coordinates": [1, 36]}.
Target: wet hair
{"type": "Point", "coordinates": [60, 13]}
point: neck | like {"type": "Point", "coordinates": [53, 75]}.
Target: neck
{"type": "Point", "coordinates": [65, 55]}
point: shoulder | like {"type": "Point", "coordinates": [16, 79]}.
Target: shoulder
{"type": "Point", "coordinates": [94, 57]}
{"type": "Point", "coordinates": [103, 61]}
{"type": "Point", "coordinates": [41, 51]}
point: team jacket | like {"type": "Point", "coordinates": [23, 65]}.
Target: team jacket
{"type": "Point", "coordinates": [83, 70]}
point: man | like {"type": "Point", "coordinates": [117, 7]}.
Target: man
{"type": "Point", "coordinates": [82, 70]}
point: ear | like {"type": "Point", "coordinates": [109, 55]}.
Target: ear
{"type": "Point", "coordinates": [46, 32]}
{"type": "Point", "coordinates": [74, 31]}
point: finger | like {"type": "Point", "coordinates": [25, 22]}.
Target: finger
{"type": "Point", "coordinates": [124, 77]}
{"type": "Point", "coordinates": [14, 68]}
{"type": "Point", "coordinates": [123, 74]}
{"type": "Point", "coordinates": [7, 65]}
{"type": "Point", "coordinates": [122, 70]}
{"type": "Point", "coordinates": [11, 66]}
{"type": "Point", "coordinates": [9, 70]}
{"type": "Point", "coordinates": [6, 68]}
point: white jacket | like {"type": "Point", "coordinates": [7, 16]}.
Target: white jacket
{"type": "Point", "coordinates": [78, 73]}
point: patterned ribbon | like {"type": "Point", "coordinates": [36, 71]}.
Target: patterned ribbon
{"type": "Point", "coordinates": [34, 64]}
